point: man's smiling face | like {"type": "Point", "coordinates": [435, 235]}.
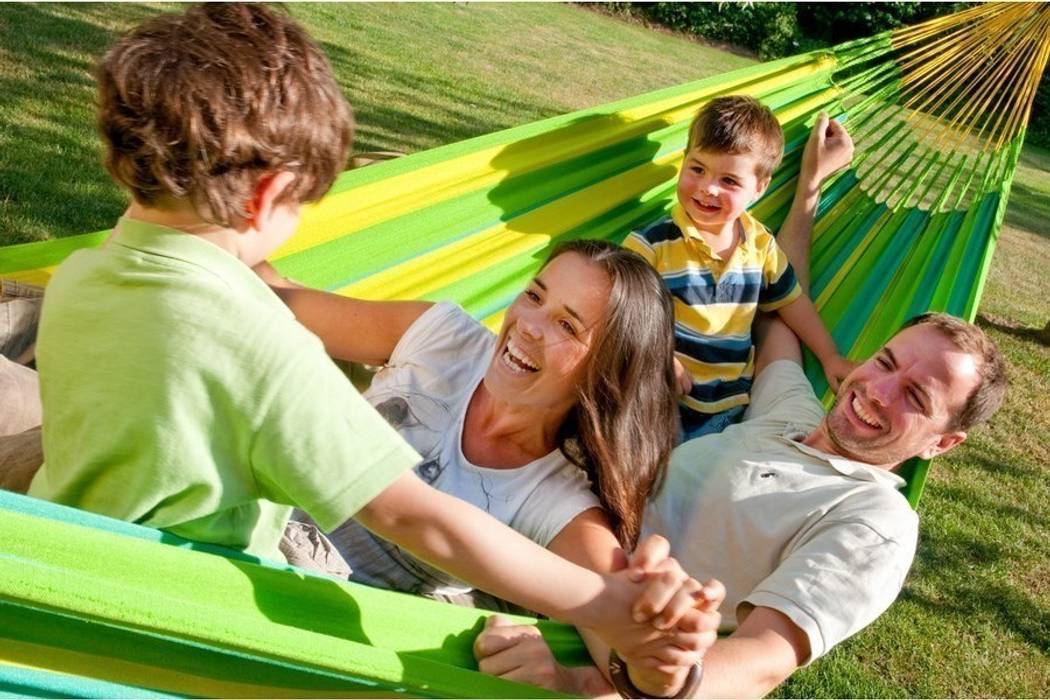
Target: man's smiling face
{"type": "Point", "coordinates": [901, 403]}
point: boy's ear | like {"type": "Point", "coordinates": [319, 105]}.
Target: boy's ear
{"type": "Point", "coordinates": [264, 198]}
{"type": "Point", "coordinates": [763, 183]}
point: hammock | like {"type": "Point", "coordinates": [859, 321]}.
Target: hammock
{"type": "Point", "coordinates": [90, 606]}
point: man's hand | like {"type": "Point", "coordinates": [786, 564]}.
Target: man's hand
{"type": "Point", "coordinates": [836, 369]}
{"type": "Point", "coordinates": [828, 150]}
{"type": "Point", "coordinates": [519, 653]}
{"type": "Point", "coordinates": [685, 380]}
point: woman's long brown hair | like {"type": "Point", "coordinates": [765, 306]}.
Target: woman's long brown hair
{"type": "Point", "coordinates": [625, 423]}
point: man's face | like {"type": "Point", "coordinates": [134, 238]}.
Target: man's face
{"type": "Point", "coordinates": [900, 403]}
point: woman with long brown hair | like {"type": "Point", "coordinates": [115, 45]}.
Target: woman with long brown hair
{"type": "Point", "coordinates": [561, 426]}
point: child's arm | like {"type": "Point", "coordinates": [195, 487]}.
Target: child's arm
{"type": "Point", "coordinates": [351, 329]}
{"type": "Point", "coordinates": [828, 150]}
{"type": "Point", "coordinates": [801, 317]}
{"type": "Point", "coordinates": [469, 544]}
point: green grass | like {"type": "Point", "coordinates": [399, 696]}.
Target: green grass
{"type": "Point", "coordinates": [418, 76]}
{"type": "Point", "coordinates": [974, 618]}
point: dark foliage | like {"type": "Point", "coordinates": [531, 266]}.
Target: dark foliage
{"type": "Point", "coordinates": [774, 30]}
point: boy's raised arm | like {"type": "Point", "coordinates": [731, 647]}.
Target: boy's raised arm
{"type": "Point", "coordinates": [828, 150]}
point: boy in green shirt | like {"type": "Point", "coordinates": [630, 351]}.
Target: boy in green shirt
{"type": "Point", "coordinates": [178, 390]}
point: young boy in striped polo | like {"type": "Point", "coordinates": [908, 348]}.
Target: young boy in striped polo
{"type": "Point", "coordinates": [721, 265]}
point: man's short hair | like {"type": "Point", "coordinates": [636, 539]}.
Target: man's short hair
{"type": "Point", "coordinates": [987, 396]}
{"type": "Point", "coordinates": [738, 124]}
{"type": "Point", "coordinates": [203, 104]}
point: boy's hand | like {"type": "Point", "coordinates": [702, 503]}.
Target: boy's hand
{"type": "Point", "coordinates": [685, 380]}
{"type": "Point", "coordinates": [828, 150]}
{"type": "Point", "coordinates": [836, 369]}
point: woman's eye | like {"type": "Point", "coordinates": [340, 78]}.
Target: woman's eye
{"type": "Point", "coordinates": [697, 169]}
{"type": "Point", "coordinates": [532, 296]}
{"type": "Point", "coordinates": [730, 181]}
{"type": "Point", "coordinates": [882, 362]}
{"type": "Point", "coordinates": [916, 401]}
{"type": "Point", "coordinates": [568, 328]}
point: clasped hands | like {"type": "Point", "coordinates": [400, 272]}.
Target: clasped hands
{"type": "Point", "coordinates": [675, 621]}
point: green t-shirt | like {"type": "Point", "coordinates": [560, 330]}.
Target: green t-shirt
{"type": "Point", "coordinates": [179, 392]}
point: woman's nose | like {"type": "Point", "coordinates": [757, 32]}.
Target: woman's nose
{"type": "Point", "coordinates": [529, 328]}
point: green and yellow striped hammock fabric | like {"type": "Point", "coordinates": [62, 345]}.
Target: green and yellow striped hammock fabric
{"type": "Point", "coordinates": [938, 111]}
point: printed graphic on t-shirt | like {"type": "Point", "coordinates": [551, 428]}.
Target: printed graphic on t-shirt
{"type": "Point", "coordinates": [419, 418]}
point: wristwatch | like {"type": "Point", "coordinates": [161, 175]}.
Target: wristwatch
{"type": "Point", "coordinates": [621, 680]}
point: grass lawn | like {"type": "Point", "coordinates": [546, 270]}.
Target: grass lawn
{"type": "Point", "coordinates": [974, 619]}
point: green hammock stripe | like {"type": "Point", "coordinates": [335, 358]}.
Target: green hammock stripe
{"type": "Point", "coordinates": [18, 682]}
{"type": "Point", "coordinates": [331, 631]}
{"type": "Point", "coordinates": [583, 121]}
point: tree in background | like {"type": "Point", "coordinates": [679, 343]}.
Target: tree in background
{"type": "Point", "coordinates": [775, 29]}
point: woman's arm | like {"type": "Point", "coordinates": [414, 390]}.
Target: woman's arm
{"type": "Point", "coordinates": [351, 329]}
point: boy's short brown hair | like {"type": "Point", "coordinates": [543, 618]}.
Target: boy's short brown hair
{"type": "Point", "coordinates": [202, 104]}
{"type": "Point", "coordinates": [738, 124]}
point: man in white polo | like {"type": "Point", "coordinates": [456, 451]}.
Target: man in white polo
{"type": "Point", "coordinates": [798, 513]}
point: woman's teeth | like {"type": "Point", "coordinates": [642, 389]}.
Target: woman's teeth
{"type": "Point", "coordinates": [516, 359]}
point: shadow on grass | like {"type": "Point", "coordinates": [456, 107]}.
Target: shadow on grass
{"type": "Point", "coordinates": [51, 178]}
{"type": "Point", "coordinates": [1010, 610]}
{"type": "Point", "coordinates": [1029, 208]}
{"type": "Point", "coordinates": [454, 112]}
{"type": "Point", "coordinates": [1005, 326]}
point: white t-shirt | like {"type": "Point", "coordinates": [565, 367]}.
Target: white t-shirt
{"type": "Point", "coordinates": [825, 540]}
{"type": "Point", "coordinates": [423, 392]}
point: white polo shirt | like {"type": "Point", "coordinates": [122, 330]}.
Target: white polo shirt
{"type": "Point", "coordinates": [825, 540]}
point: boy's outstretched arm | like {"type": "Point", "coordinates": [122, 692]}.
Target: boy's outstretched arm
{"type": "Point", "coordinates": [828, 150]}
{"type": "Point", "coordinates": [469, 544]}
{"type": "Point", "coordinates": [802, 318]}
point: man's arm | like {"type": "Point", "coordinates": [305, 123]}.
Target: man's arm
{"type": "Point", "coordinates": [828, 150]}
{"type": "Point", "coordinates": [774, 341]}
{"type": "Point", "coordinates": [759, 656]}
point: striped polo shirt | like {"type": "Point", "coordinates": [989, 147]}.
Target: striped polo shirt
{"type": "Point", "coordinates": [715, 302]}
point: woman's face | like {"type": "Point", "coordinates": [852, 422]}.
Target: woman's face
{"type": "Point", "coordinates": [542, 349]}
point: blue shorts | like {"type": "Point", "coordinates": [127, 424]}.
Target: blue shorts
{"type": "Point", "coordinates": [710, 423]}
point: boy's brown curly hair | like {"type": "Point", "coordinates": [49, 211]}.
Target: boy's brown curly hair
{"type": "Point", "coordinates": [201, 105]}
{"type": "Point", "coordinates": [739, 124]}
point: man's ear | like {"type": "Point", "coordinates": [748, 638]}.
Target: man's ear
{"type": "Point", "coordinates": [267, 190]}
{"type": "Point", "coordinates": [944, 443]}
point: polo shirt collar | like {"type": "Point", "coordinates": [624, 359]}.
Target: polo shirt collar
{"type": "Point", "coordinates": [847, 467]}
{"type": "Point", "coordinates": [689, 231]}
{"type": "Point", "coordinates": [167, 242]}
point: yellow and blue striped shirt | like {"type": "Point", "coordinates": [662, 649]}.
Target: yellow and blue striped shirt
{"type": "Point", "coordinates": [715, 302]}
